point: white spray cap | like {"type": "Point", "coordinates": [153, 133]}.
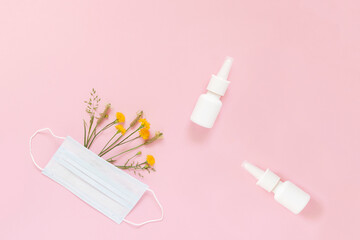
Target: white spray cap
{"type": "Point", "coordinates": [266, 179]}
{"type": "Point", "coordinates": [218, 84]}
{"type": "Point", "coordinates": [286, 193]}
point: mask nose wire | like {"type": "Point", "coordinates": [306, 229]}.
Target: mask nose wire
{"type": "Point", "coordinates": [152, 220]}
{"type": "Point", "coordinates": [30, 144]}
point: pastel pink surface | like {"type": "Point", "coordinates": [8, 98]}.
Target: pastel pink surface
{"type": "Point", "coordinates": [292, 106]}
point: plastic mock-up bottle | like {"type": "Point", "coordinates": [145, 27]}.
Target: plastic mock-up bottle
{"type": "Point", "coordinates": [286, 193]}
{"type": "Point", "coordinates": [209, 104]}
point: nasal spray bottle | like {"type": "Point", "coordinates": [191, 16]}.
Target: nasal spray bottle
{"type": "Point", "coordinates": [286, 193]}
{"type": "Point", "coordinates": [208, 105]}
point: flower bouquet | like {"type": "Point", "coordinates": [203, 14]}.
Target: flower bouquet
{"type": "Point", "coordinates": [139, 128]}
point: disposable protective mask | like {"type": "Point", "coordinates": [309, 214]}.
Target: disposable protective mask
{"type": "Point", "coordinates": [97, 182]}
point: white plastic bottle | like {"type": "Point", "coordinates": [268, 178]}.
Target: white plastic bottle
{"type": "Point", "coordinates": [208, 105]}
{"type": "Point", "coordinates": [286, 193]}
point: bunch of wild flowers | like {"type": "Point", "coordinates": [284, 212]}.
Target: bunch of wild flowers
{"type": "Point", "coordinates": [121, 136]}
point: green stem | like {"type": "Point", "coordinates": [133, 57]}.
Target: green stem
{"type": "Point", "coordinates": [108, 142]}
{"type": "Point", "coordinates": [106, 150]}
{"type": "Point", "coordinates": [103, 129]}
{"type": "Point", "coordinates": [84, 133]}
{"type": "Point", "coordinates": [137, 166]}
{"type": "Point", "coordinates": [112, 146]}
{"type": "Point", "coordinates": [91, 123]}
{"type": "Point", "coordinates": [91, 139]}
{"type": "Point", "coordinates": [110, 159]}
{"type": "Point", "coordinates": [131, 134]}
{"type": "Point", "coordinates": [122, 142]}
{"type": "Point", "coordinates": [130, 159]}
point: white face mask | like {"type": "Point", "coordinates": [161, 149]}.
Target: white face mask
{"type": "Point", "coordinates": [94, 180]}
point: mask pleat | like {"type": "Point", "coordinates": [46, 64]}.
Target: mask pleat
{"type": "Point", "coordinates": [97, 182]}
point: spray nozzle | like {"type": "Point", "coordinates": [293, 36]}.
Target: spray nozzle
{"type": "Point", "coordinates": [253, 170]}
{"type": "Point", "coordinates": [265, 179]}
{"type": "Point", "coordinates": [225, 69]}
{"type": "Point", "coordinates": [219, 83]}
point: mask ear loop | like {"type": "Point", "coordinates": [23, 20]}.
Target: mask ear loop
{"type": "Point", "coordinates": [30, 144]}
{"type": "Point", "coordinates": [127, 221]}
{"type": "Point", "coordinates": [149, 221]}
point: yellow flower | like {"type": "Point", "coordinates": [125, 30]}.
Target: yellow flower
{"type": "Point", "coordinates": [121, 129]}
{"type": "Point", "coordinates": [150, 160]}
{"type": "Point", "coordinates": [144, 133]}
{"type": "Point", "coordinates": [144, 123]}
{"type": "Point", "coordinates": [120, 117]}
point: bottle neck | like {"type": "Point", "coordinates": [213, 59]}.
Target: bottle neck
{"type": "Point", "coordinates": [277, 187]}
{"type": "Point", "coordinates": [214, 95]}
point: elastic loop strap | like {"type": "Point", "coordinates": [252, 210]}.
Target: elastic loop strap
{"type": "Point", "coordinates": [30, 144]}
{"type": "Point", "coordinates": [149, 221]}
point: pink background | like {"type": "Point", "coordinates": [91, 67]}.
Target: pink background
{"type": "Point", "coordinates": [292, 106]}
